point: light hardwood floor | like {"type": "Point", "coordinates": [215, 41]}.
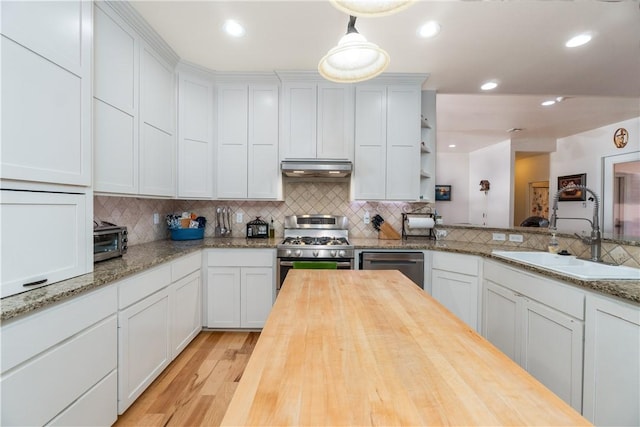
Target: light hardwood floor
{"type": "Point", "coordinates": [197, 387]}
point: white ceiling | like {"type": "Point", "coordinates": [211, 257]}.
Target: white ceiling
{"type": "Point", "coordinates": [519, 43]}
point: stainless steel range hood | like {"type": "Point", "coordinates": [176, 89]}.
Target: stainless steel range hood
{"type": "Point", "coordinates": [321, 168]}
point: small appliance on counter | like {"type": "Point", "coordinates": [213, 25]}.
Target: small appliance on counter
{"type": "Point", "coordinates": [257, 229]}
{"type": "Point", "coordinates": [109, 241]}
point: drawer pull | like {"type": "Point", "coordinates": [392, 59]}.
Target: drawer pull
{"type": "Point", "coordinates": [37, 282]}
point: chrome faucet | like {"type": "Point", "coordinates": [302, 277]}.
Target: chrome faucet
{"type": "Point", "coordinates": [594, 240]}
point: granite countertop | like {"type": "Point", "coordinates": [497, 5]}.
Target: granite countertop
{"type": "Point", "coordinates": [147, 255]}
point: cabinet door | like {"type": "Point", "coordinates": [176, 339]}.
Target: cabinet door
{"type": "Point", "coordinates": [232, 142]}
{"type": "Point", "coordinates": [157, 134]}
{"type": "Point", "coordinates": [501, 320]}
{"type": "Point", "coordinates": [552, 351]}
{"type": "Point", "coordinates": [369, 178]}
{"type": "Point", "coordinates": [403, 143]}
{"type": "Point", "coordinates": [115, 105]}
{"type": "Point", "coordinates": [263, 167]}
{"type": "Point", "coordinates": [611, 368]}
{"type": "Point", "coordinates": [143, 346]}
{"type": "Point", "coordinates": [299, 121]}
{"type": "Point", "coordinates": [335, 121]}
{"type": "Point", "coordinates": [223, 297]}
{"type": "Point", "coordinates": [186, 305]}
{"type": "Point", "coordinates": [44, 239]}
{"type": "Point", "coordinates": [46, 91]}
{"type": "Point", "coordinates": [195, 137]}
{"type": "Point", "coordinates": [457, 292]}
{"type": "Point", "coordinates": [257, 296]}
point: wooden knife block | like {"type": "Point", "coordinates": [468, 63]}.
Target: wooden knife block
{"type": "Point", "coordinates": [388, 233]}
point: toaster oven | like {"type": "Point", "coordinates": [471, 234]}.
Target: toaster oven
{"type": "Point", "coordinates": [109, 241]}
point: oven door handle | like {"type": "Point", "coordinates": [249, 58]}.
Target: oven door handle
{"type": "Point", "coordinates": [339, 264]}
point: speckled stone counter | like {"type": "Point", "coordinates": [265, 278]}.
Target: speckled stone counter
{"type": "Point", "coordinates": [137, 259]}
{"type": "Point", "coordinates": [145, 256]}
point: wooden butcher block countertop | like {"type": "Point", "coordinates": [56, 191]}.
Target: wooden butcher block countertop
{"type": "Point", "coordinates": [345, 347]}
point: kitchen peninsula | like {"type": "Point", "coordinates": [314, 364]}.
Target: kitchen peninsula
{"type": "Point", "coordinates": [370, 348]}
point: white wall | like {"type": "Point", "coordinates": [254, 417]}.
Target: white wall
{"type": "Point", "coordinates": [493, 163]}
{"type": "Point", "coordinates": [453, 169]}
{"type": "Point", "coordinates": [583, 153]}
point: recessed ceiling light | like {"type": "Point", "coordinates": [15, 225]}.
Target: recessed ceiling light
{"type": "Point", "coordinates": [430, 29]}
{"type": "Point", "coordinates": [489, 85]}
{"type": "Point", "coordinates": [578, 40]}
{"type": "Point", "coordinates": [233, 28]}
{"type": "Point", "coordinates": [452, 145]}
{"type": "Point", "coordinates": [548, 103]}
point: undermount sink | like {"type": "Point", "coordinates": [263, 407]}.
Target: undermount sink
{"type": "Point", "coordinates": [571, 266]}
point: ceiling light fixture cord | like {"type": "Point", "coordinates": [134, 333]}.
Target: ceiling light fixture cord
{"type": "Point", "coordinates": [351, 26]}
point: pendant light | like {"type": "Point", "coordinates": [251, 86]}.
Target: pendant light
{"type": "Point", "coordinates": [371, 8]}
{"type": "Point", "coordinates": [354, 59]}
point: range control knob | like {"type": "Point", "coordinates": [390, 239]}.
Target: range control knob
{"type": "Point", "coordinates": [333, 253]}
{"type": "Point", "coordinates": [342, 253]}
{"type": "Point", "coordinates": [287, 252]}
{"type": "Point", "coordinates": [297, 253]}
{"type": "Point", "coordinates": [315, 253]}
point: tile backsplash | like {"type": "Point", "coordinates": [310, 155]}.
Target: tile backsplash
{"type": "Point", "coordinates": [301, 197]}
{"type": "Point", "coordinates": [306, 197]}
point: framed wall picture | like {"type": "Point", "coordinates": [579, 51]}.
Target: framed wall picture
{"type": "Point", "coordinates": [443, 193]}
{"type": "Point", "coordinates": [572, 195]}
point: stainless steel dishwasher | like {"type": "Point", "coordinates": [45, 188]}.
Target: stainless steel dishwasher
{"type": "Point", "coordinates": [411, 264]}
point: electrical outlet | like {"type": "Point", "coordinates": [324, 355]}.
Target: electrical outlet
{"type": "Point", "coordinates": [515, 238]}
{"type": "Point", "coordinates": [239, 217]}
{"type": "Point", "coordinates": [366, 218]}
{"type": "Point", "coordinates": [156, 218]}
{"type": "Point", "coordinates": [499, 237]}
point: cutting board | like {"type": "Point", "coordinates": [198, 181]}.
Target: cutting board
{"type": "Point", "coordinates": [387, 232]}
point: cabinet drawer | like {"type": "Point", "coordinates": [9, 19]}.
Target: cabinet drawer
{"type": "Point", "coordinates": [185, 265]}
{"type": "Point", "coordinates": [44, 238]}
{"type": "Point", "coordinates": [97, 407]}
{"type": "Point", "coordinates": [143, 285]}
{"type": "Point", "coordinates": [555, 294]}
{"type": "Point", "coordinates": [37, 391]}
{"type": "Point", "coordinates": [457, 263]}
{"type": "Point", "coordinates": [240, 258]}
{"type": "Point", "coordinates": [53, 325]}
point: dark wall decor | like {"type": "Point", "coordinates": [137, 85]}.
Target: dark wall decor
{"type": "Point", "coordinates": [572, 195]}
{"type": "Point", "coordinates": [443, 193]}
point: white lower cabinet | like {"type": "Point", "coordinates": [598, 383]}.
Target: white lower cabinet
{"type": "Point", "coordinates": [539, 324]}
{"type": "Point", "coordinates": [455, 284]}
{"type": "Point", "coordinates": [160, 313]}
{"type": "Point", "coordinates": [144, 349]}
{"type": "Point", "coordinates": [240, 287]}
{"type": "Point", "coordinates": [59, 364]}
{"type": "Point", "coordinates": [612, 362]}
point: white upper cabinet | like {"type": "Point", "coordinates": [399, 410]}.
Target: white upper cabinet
{"type": "Point", "coordinates": [134, 108]}
{"type": "Point", "coordinates": [232, 141]}
{"type": "Point", "coordinates": [115, 92]}
{"type": "Point", "coordinates": [387, 141]}
{"type": "Point", "coordinates": [157, 128]}
{"type": "Point", "coordinates": [247, 141]}
{"type": "Point", "coordinates": [46, 91]}
{"type": "Point", "coordinates": [195, 136]}
{"type": "Point", "coordinates": [317, 118]}
{"type": "Point", "coordinates": [263, 168]}
{"type": "Point", "coordinates": [370, 173]}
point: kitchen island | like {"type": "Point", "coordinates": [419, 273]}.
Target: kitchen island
{"type": "Point", "coordinates": [371, 348]}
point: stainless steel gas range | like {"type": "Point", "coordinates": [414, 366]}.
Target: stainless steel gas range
{"type": "Point", "coordinates": [314, 238]}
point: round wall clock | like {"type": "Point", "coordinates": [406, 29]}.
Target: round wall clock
{"type": "Point", "coordinates": [620, 137]}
